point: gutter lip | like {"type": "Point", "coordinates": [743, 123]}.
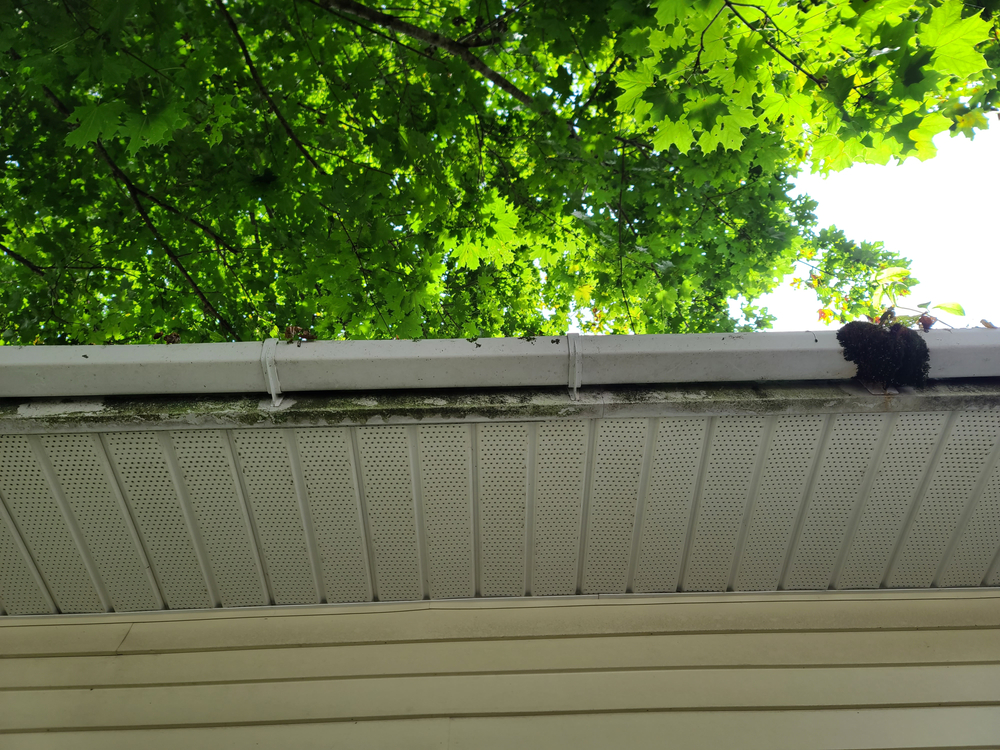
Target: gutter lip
{"type": "Point", "coordinates": [542, 361]}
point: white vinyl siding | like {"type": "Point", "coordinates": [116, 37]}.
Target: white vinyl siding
{"type": "Point", "coordinates": [836, 670]}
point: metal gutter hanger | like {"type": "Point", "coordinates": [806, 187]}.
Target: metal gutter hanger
{"type": "Point", "coordinates": [270, 369]}
{"type": "Point", "coordinates": [575, 365]}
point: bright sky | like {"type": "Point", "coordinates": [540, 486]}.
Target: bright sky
{"type": "Point", "coordinates": [943, 213]}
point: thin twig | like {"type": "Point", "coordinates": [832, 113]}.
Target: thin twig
{"type": "Point", "coordinates": [22, 260]}
{"type": "Point", "coordinates": [190, 220]}
{"type": "Point", "coordinates": [599, 82]}
{"type": "Point", "coordinates": [364, 272]}
{"type": "Point", "coordinates": [263, 89]}
{"type": "Point", "coordinates": [924, 312]}
{"type": "Point", "coordinates": [621, 259]}
{"type": "Point", "coordinates": [102, 152]}
{"type": "Point", "coordinates": [207, 306]}
{"type": "Point", "coordinates": [696, 66]}
{"type": "Point", "coordinates": [770, 44]}
{"type": "Point", "coordinates": [466, 40]}
{"type": "Point", "coordinates": [351, 8]}
{"type": "Point", "coordinates": [135, 193]}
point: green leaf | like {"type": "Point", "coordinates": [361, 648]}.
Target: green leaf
{"type": "Point", "coordinates": [95, 121]}
{"type": "Point", "coordinates": [705, 111]}
{"type": "Point", "coordinates": [954, 39]}
{"type": "Point", "coordinates": [748, 58]}
{"type": "Point", "coordinates": [467, 255]}
{"type": "Point", "coordinates": [154, 125]}
{"type": "Point", "coordinates": [731, 135]}
{"type": "Point", "coordinates": [671, 11]}
{"type": "Point", "coordinates": [903, 131]}
{"type": "Point", "coordinates": [666, 103]}
{"type": "Point", "coordinates": [893, 273]}
{"type": "Point", "coordinates": [673, 133]}
{"type": "Point", "coordinates": [969, 122]}
{"type": "Point", "coordinates": [924, 133]}
{"type": "Point", "coordinates": [633, 84]}
{"type": "Point", "coordinates": [951, 307]}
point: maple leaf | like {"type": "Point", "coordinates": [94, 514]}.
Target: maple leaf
{"type": "Point", "coordinates": [95, 121]}
{"type": "Point", "coordinates": [154, 125]}
{"type": "Point", "coordinates": [671, 11]}
{"type": "Point", "coordinates": [673, 133]}
{"type": "Point", "coordinates": [466, 255]}
{"type": "Point", "coordinates": [633, 85]}
{"type": "Point", "coordinates": [954, 39]}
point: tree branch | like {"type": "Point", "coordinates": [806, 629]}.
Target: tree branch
{"type": "Point", "coordinates": [351, 8]}
{"type": "Point", "coordinates": [769, 43]}
{"type": "Point", "coordinates": [354, 20]}
{"type": "Point", "coordinates": [134, 193]}
{"type": "Point", "coordinates": [263, 89]}
{"type": "Point", "coordinates": [364, 273]}
{"type": "Point", "coordinates": [599, 82]}
{"type": "Point", "coordinates": [621, 258]}
{"type": "Point", "coordinates": [190, 220]}
{"type": "Point", "coordinates": [22, 260]}
{"type": "Point", "coordinates": [207, 306]}
{"type": "Point", "coordinates": [468, 39]}
{"type": "Point", "coordinates": [102, 152]}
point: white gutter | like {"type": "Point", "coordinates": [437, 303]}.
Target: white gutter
{"type": "Point", "coordinates": [275, 367]}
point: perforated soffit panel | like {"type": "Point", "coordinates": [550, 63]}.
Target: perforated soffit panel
{"type": "Point", "coordinates": [202, 518]}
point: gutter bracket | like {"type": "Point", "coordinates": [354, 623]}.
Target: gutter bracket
{"type": "Point", "coordinates": [575, 365]}
{"type": "Point", "coordinates": [877, 389]}
{"type": "Point", "coordinates": [270, 369]}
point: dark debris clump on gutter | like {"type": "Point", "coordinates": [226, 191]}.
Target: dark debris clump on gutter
{"type": "Point", "coordinates": [892, 356]}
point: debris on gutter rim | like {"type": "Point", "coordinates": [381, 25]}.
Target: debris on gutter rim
{"type": "Point", "coordinates": [889, 357]}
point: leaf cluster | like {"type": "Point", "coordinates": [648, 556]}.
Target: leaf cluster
{"type": "Point", "coordinates": [235, 170]}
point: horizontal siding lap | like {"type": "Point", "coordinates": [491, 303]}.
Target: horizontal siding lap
{"type": "Point", "coordinates": [498, 694]}
{"type": "Point", "coordinates": [864, 648]}
{"type": "Point", "coordinates": [275, 628]}
{"type": "Point", "coordinates": [896, 728]}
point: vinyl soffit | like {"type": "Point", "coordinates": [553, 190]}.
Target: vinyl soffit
{"type": "Point", "coordinates": [540, 505]}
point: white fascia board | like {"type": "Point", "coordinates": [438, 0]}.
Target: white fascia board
{"type": "Point", "coordinates": [713, 358]}
{"type": "Point", "coordinates": [54, 371]}
{"type": "Point", "coordinates": [965, 353]}
{"type": "Point", "coordinates": [544, 361]}
{"type": "Point", "coordinates": [429, 363]}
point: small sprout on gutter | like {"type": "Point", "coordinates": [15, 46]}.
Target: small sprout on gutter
{"type": "Point", "coordinates": [298, 335]}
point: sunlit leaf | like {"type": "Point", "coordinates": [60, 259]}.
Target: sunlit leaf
{"type": "Point", "coordinates": [951, 307]}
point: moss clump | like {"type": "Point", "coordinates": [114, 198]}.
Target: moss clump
{"type": "Point", "coordinates": [889, 356]}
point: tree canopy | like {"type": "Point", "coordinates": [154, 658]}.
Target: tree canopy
{"type": "Point", "coordinates": [222, 169]}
